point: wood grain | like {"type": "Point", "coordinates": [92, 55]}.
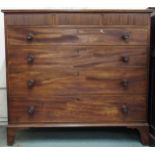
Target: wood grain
{"type": "Point", "coordinates": [77, 56]}
{"type": "Point", "coordinates": [134, 19]}
{"type": "Point", "coordinates": [84, 109]}
{"type": "Point", "coordinates": [77, 68]}
{"type": "Point", "coordinates": [78, 19]}
{"type": "Point", "coordinates": [30, 19]}
{"type": "Point", "coordinates": [93, 36]}
{"type": "Point", "coordinates": [88, 18]}
{"type": "Point", "coordinates": [67, 81]}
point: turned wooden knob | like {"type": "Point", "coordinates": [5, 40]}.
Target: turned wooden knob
{"type": "Point", "coordinates": [30, 83]}
{"type": "Point", "coordinates": [125, 109]}
{"type": "Point", "coordinates": [77, 99]}
{"type": "Point", "coordinates": [31, 110]}
{"type": "Point", "coordinates": [29, 36]}
{"type": "Point", "coordinates": [125, 59]}
{"type": "Point", "coordinates": [125, 36]}
{"type": "Point", "coordinates": [30, 58]}
{"type": "Point", "coordinates": [125, 83]}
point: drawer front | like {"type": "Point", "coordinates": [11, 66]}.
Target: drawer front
{"type": "Point", "coordinates": [84, 19]}
{"type": "Point", "coordinates": [78, 36]}
{"type": "Point", "coordinates": [79, 109]}
{"type": "Point", "coordinates": [135, 19]}
{"type": "Point", "coordinates": [46, 82]}
{"type": "Point", "coordinates": [77, 56]}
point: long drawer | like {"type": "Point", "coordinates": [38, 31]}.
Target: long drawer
{"type": "Point", "coordinates": [46, 82]}
{"type": "Point", "coordinates": [77, 56]}
{"type": "Point", "coordinates": [79, 109]}
{"type": "Point", "coordinates": [77, 36]}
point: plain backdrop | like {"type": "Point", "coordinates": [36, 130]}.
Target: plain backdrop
{"type": "Point", "coordinates": [54, 4]}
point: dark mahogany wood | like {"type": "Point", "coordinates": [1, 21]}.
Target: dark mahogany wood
{"type": "Point", "coordinates": [144, 133]}
{"type": "Point", "coordinates": [66, 109]}
{"type": "Point", "coordinates": [77, 68]}
{"type": "Point", "coordinates": [11, 134]}
{"type": "Point", "coordinates": [79, 36]}
{"type": "Point", "coordinates": [68, 81]}
{"type": "Point", "coordinates": [93, 56]}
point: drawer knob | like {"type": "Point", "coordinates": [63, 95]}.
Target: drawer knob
{"type": "Point", "coordinates": [30, 59]}
{"type": "Point", "coordinates": [125, 109]}
{"type": "Point", "coordinates": [77, 99]}
{"type": "Point", "coordinates": [125, 83]}
{"type": "Point", "coordinates": [125, 59]}
{"type": "Point", "coordinates": [31, 110]}
{"type": "Point", "coordinates": [125, 36]}
{"type": "Point", "coordinates": [29, 36]}
{"type": "Point", "coordinates": [30, 83]}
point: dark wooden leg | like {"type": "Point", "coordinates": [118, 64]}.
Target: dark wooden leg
{"type": "Point", "coordinates": [144, 134]}
{"type": "Point", "coordinates": [11, 133]}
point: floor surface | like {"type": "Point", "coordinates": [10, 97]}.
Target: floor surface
{"type": "Point", "coordinates": [106, 137]}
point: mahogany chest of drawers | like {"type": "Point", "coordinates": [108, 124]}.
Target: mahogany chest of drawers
{"type": "Point", "coordinates": [77, 68]}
